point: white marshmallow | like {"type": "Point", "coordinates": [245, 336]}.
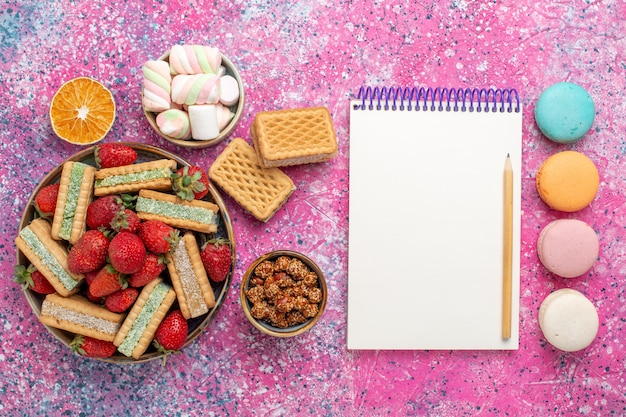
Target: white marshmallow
{"type": "Point", "coordinates": [204, 121]}
{"type": "Point", "coordinates": [229, 90]}
{"type": "Point", "coordinates": [224, 116]}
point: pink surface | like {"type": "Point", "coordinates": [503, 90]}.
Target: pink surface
{"type": "Point", "coordinates": [307, 54]}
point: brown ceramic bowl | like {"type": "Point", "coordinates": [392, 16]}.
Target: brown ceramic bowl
{"type": "Point", "coordinates": [237, 109]}
{"type": "Point", "coordinates": [225, 230]}
{"type": "Point", "coordinates": [264, 325]}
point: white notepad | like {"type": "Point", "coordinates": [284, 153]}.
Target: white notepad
{"type": "Point", "coordinates": [426, 219]}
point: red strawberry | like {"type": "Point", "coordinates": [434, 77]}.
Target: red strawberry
{"type": "Point", "coordinates": [126, 220]}
{"type": "Point", "coordinates": [109, 155]}
{"type": "Point", "coordinates": [171, 334]}
{"type": "Point", "coordinates": [152, 268]}
{"type": "Point", "coordinates": [158, 236]}
{"type": "Point", "coordinates": [46, 200]}
{"type": "Point", "coordinates": [190, 183]}
{"type": "Point", "coordinates": [93, 298]}
{"type": "Point", "coordinates": [121, 300]}
{"type": "Point", "coordinates": [107, 282]}
{"type": "Point", "coordinates": [30, 278]}
{"type": "Point", "coordinates": [216, 258]}
{"type": "Point", "coordinates": [127, 252]}
{"type": "Point", "coordinates": [101, 211]}
{"type": "Point", "coordinates": [92, 348]}
{"type": "Point", "coordinates": [90, 276]}
{"type": "Point", "coordinates": [89, 253]}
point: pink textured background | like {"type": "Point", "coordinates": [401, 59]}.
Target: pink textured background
{"type": "Point", "coordinates": [305, 54]}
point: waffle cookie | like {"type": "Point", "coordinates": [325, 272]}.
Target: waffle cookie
{"type": "Point", "coordinates": [49, 256]}
{"type": "Point", "coordinates": [153, 175]}
{"type": "Point", "coordinates": [293, 137]}
{"type": "Point", "coordinates": [75, 194]}
{"type": "Point", "coordinates": [189, 278]}
{"type": "Point", "coordinates": [137, 331]}
{"type": "Point", "coordinates": [78, 315]}
{"type": "Point", "coordinates": [259, 190]}
{"type": "Point", "coordinates": [198, 215]}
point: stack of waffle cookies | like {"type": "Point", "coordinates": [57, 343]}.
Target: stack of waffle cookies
{"type": "Point", "coordinates": [252, 175]}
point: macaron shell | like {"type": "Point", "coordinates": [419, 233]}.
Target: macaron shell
{"type": "Point", "coordinates": [564, 112]}
{"type": "Point", "coordinates": [568, 247]}
{"type": "Point", "coordinates": [568, 181]}
{"type": "Point", "coordinates": [568, 320]}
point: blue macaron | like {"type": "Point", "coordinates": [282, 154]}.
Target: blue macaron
{"type": "Point", "coordinates": [564, 112]}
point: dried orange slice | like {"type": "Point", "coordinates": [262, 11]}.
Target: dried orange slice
{"type": "Point", "coordinates": [82, 111]}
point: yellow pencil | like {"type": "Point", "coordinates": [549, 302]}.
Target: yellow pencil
{"type": "Point", "coordinates": [507, 255]}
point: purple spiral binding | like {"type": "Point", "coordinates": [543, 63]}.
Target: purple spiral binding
{"type": "Point", "coordinates": [439, 99]}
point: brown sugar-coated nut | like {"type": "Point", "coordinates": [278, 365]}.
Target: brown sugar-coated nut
{"type": "Point", "coordinates": [297, 269]}
{"type": "Point", "coordinates": [281, 263]}
{"type": "Point", "coordinates": [260, 310]}
{"type": "Point", "coordinates": [256, 295]}
{"type": "Point", "coordinates": [310, 279]}
{"type": "Point", "coordinates": [310, 310]}
{"type": "Point", "coordinates": [295, 317]}
{"type": "Point", "coordinates": [264, 270]}
{"type": "Point", "coordinates": [273, 292]}
{"type": "Point", "coordinates": [284, 292]}
{"type": "Point", "coordinates": [277, 318]}
{"type": "Point", "coordinates": [315, 295]}
{"type": "Point", "coordinates": [300, 303]}
{"type": "Point", "coordinates": [258, 280]}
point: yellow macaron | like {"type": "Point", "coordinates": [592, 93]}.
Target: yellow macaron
{"type": "Point", "coordinates": [568, 181]}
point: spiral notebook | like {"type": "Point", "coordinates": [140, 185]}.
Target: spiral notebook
{"type": "Point", "coordinates": [426, 218]}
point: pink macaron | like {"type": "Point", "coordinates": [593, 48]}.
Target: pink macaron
{"type": "Point", "coordinates": [568, 247]}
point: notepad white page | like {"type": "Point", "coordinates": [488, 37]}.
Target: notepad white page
{"type": "Point", "coordinates": [426, 229]}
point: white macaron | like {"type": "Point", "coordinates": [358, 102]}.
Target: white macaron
{"type": "Point", "coordinates": [569, 320]}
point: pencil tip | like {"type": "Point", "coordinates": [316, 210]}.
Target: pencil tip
{"type": "Point", "coordinates": [508, 155]}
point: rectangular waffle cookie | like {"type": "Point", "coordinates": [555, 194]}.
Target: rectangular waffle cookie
{"type": "Point", "coordinates": [75, 195]}
{"type": "Point", "coordinates": [49, 256]}
{"type": "Point", "coordinates": [189, 278]}
{"type": "Point", "coordinates": [294, 136]}
{"type": "Point", "coordinates": [258, 190]}
{"type": "Point", "coordinates": [76, 314]}
{"type": "Point", "coordinates": [198, 215]}
{"type": "Point", "coordinates": [151, 175]}
{"type": "Point", "coordinates": [143, 319]}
